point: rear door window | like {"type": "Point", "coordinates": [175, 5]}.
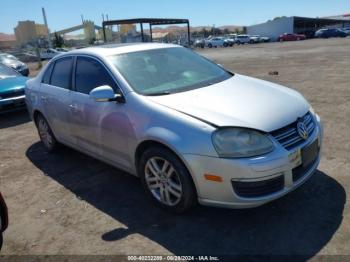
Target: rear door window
{"type": "Point", "coordinates": [62, 73]}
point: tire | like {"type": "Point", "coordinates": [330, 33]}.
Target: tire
{"type": "Point", "coordinates": [251, 41]}
{"type": "Point", "coordinates": [45, 133]}
{"type": "Point", "coordinates": [171, 187]}
{"type": "Point", "coordinates": [239, 42]}
{"type": "Point", "coordinates": [225, 45]}
{"type": "Point", "coordinates": [210, 45]}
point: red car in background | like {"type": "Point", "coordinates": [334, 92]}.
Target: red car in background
{"type": "Point", "coordinates": [291, 37]}
{"type": "Point", "coordinates": [3, 218]}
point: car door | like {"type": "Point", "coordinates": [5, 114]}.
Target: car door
{"type": "Point", "coordinates": [55, 93]}
{"type": "Point", "coordinates": [101, 128]}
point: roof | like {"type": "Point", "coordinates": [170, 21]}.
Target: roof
{"type": "Point", "coordinates": [114, 49]}
{"type": "Point", "coordinates": [152, 21]}
{"type": "Point", "coordinates": [7, 37]}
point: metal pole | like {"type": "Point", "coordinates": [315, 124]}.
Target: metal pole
{"type": "Point", "coordinates": [48, 30]}
{"type": "Point", "coordinates": [142, 36]}
{"type": "Point", "coordinates": [104, 32]}
{"type": "Point", "coordinates": [188, 34]}
{"type": "Point", "coordinates": [150, 31]}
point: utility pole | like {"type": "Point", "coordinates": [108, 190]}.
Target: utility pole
{"type": "Point", "coordinates": [48, 30]}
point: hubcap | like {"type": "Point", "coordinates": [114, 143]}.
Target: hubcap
{"type": "Point", "coordinates": [163, 181]}
{"type": "Point", "coordinates": [44, 133]}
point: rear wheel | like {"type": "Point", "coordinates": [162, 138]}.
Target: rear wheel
{"type": "Point", "coordinates": [45, 133]}
{"type": "Point", "coordinates": [210, 45]}
{"type": "Point", "coordinates": [166, 180]}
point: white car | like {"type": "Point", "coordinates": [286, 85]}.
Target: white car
{"type": "Point", "coordinates": [216, 42]}
{"type": "Point", "coordinates": [49, 53]}
{"type": "Point", "coordinates": [242, 39]}
{"type": "Point", "coordinates": [190, 129]}
{"type": "Point", "coordinates": [254, 39]}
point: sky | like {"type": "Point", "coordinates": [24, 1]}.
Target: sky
{"type": "Point", "coordinates": [66, 13]}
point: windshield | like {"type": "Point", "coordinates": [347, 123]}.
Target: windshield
{"type": "Point", "coordinates": [167, 70]}
{"type": "Point", "coordinates": [7, 72]}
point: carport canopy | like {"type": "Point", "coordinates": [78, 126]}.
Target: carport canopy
{"type": "Point", "coordinates": [150, 21]}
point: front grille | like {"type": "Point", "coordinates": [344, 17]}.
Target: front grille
{"type": "Point", "coordinates": [12, 94]}
{"type": "Point", "coordinates": [288, 136]}
{"type": "Point", "coordinates": [258, 188]}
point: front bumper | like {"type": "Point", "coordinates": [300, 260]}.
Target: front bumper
{"type": "Point", "coordinates": [12, 103]}
{"type": "Point", "coordinates": [263, 168]}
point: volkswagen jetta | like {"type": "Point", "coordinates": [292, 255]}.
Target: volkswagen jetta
{"type": "Point", "coordinates": [190, 129]}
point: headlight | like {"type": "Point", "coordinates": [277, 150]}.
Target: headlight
{"type": "Point", "coordinates": [241, 142]}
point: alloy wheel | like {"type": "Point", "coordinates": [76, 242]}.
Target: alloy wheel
{"type": "Point", "coordinates": [44, 133]}
{"type": "Point", "coordinates": [163, 181]}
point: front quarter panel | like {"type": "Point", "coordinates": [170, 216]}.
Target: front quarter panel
{"type": "Point", "coordinates": [180, 132]}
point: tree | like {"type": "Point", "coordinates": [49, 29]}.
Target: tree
{"type": "Point", "coordinates": [58, 41]}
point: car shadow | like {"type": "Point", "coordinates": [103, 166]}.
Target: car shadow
{"type": "Point", "coordinates": [14, 118]}
{"type": "Point", "coordinates": [300, 223]}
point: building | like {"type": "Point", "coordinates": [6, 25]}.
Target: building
{"type": "Point", "coordinates": [295, 24]}
{"type": "Point", "coordinates": [28, 31]}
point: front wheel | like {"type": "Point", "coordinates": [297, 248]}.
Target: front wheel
{"type": "Point", "coordinates": [210, 45]}
{"type": "Point", "coordinates": [166, 180]}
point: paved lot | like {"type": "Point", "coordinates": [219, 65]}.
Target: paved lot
{"type": "Point", "coordinates": [69, 203]}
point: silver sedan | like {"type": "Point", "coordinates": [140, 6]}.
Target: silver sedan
{"type": "Point", "coordinates": [191, 130]}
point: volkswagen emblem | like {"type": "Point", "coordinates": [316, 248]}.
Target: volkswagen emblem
{"type": "Point", "coordinates": [302, 130]}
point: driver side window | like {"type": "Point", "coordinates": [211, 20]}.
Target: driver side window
{"type": "Point", "coordinates": [90, 74]}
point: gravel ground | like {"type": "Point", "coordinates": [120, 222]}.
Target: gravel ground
{"type": "Point", "coordinates": [69, 203]}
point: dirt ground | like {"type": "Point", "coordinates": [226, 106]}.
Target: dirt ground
{"type": "Point", "coordinates": [69, 203]}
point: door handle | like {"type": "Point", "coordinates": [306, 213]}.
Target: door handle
{"type": "Point", "coordinates": [43, 98]}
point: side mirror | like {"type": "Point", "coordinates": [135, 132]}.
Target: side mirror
{"type": "Point", "coordinates": [105, 94]}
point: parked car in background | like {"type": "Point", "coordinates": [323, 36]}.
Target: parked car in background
{"type": "Point", "coordinates": [11, 61]}
{"type": "Point", "coordinates": [190, 129]}
{"type": "Point", "coordinates": [242, 39]}
{"type": "Point", "coordinates": [346, 30]}
{"type": "Point", "coordinates": [330, 32]}
{"type": "Point", "coordinates": [199, 43]}
{"type": "Point", "coordinates": [254, 39]}
{"type": "Point", "coordinates": [291, 37]}
{"type": "Point", "coordinates": [3, 219]}
{"type": "Point", "coordinates": [11, 89]}
{"type": "Point", "coordinates": [49, 53]}
{"type": "Point", "coordinates": [61, 49]}
{"type": "Point", "coordinates": [216, 42]}
{"type": "Point", "coordinates": [230, 40]}
{"type": "Point", "coordinates": [264, 39]}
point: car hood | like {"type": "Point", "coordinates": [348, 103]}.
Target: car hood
{"type": "Point", "coordinates": [12, 83]}
{"type": "Point", "coordinates": [240, 101]}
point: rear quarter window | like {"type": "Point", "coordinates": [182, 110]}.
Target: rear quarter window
{"type": "Point", "coordinates": [62, 73]}
{"type": "Point", "coordinates": [47, 74]}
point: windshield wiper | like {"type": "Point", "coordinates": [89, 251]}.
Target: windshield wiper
{"type": "Point", "coordinates": [163, 93]}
